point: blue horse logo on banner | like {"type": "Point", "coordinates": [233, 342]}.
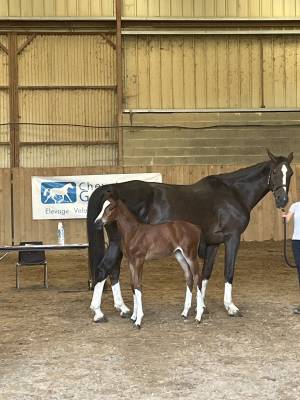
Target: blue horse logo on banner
{"type": "Point", "coordinates": [58, 192]}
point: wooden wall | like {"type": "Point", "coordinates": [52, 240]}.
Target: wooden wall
{"type": "Point", "coordinates": [265, 223]}
{"type": "Point", "coordinates": [151, 8]}
{"type": "Point", "coordinates": [61, 79]}
{"type": "Point", "coordinates": [212, 72]}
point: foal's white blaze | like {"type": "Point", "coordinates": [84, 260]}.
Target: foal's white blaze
{"type": "Point", "coordinates": [139, 304]}
{"type": "Point", "coordinates": [96, 300]}
{"type": "Point", "coordinates": [187, 303]}
{"type": "Point", "coordinates": [105, 204]}
{"type": "Point", "coordinates": [118, 299]}
{"type": "Point", "coordinates": [230, 307]}
{"type": "Point", "coordinates": [284, 171]}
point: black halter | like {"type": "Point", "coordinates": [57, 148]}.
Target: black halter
{"type": "Point", "coordinates": [272, 187]}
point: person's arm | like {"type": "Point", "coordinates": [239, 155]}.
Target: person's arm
{"type": "Point", "coordinates": [288, 215]}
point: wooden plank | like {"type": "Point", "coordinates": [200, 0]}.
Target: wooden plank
{"type": "Point", "coordinates": [221, 8]}
{"type": "Point", "coordinates": [234, 72]}
{"type": "Point", "coordinates": [108, 8]}
{"type": "Point", "coordinates": [61, 9]}
{"type": "Point", "coordinates": [178, 72]}
{"type": "Point", "coordinates": [14, 8]}
{"type": "Point", "coordinates": [199, 10]}
{"type": "Point", "coordinates": [143, 72]}
{"type": "Point", "coordinates": [165, 8]}
{"type": "Point", "coordinates": [210, 8]}
{"type": "Point", "coordinates": [176, 8]}
{"type": "Point", "coordinates": [254, 8]}
{"type": "Point", "coordinates": [289, 8]}
{"type": "Point", "coordinates": [232, 8]}
{"type": "Point", "coordinates": [49, 7]}
{"type": "Point", "coordinates": [72, 8]}
{"type": "Point", "coordinates": [141, 8]}
{"type": "Point", "coordinates": [4, 8]}
{"type": "Point", "coordinates": [222, 77]}
{"type": "Point", "coordinates": [243, 8]}
{"type": "Point", "coordinates": [188, 8]}
{"type": "Point", "coordinates": [153, 8]}
{"type": "Point", "coordinates": [129, 8]}
{"type": "Point", "coordinates": [256, 66]}
{"type": "Point", "coordinates": [130, 73]}
{"type": "Point", "coordinates": [266, 8]}
{"type": "Point", "coordinates": [268, 73]}
{"type": "Point", "coordinates": [155, 72]}
{"type": "Point", "coordinates": [278, 8]}
{"type": "Point", "coordinates": [166, 73]}
{"type": "Point", "coordinates": [211, 68]}
{"type": "Point", "coordinates": [279, 72]}
{"type": "Point", "coordinates": [245, 73]}
{"type": "Point", "coordinates": [200, 72]}
{"type": "Point", "coordinates": [189, 72]}
{"type": "Point", "coordinates": [290, 49]}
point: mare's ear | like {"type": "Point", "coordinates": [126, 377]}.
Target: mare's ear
{"type": "Point", "coordinates": [290, 157]}
{"type": "Point", "coordinates": [271, 156]}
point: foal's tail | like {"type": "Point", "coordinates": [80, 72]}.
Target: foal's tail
{"type": "Point", "coordinates": [95, 233]}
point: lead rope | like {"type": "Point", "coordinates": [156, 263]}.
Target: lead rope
{"type": "Point", "coordinates": [285, 244]}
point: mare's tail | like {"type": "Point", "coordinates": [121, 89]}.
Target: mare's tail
{"type": "Point", "coordinates": [95, 233]}
{"type": "Point", "coordinates": [202, 248]}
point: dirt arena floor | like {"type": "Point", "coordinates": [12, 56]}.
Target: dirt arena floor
{"type": "Point", "coordinates": [51, 349]}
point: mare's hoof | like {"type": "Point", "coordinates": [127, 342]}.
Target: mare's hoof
{"type": "Point", "coordinates": [236, 314]}
{"type": "Point", "coordinates": [184, 317]}
{"type": "Point", "coordinates": [136, 326]}
{"type": "Point", "coordinates": [101, 320]}
{"type": "Point", "coordinates": [125, 314]}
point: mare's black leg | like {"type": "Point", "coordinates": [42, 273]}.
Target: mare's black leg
{"type": "Point", "coordinates": [113, 258]}
{"type": "Point", "coordinates": [109, 266]}
{"type": "Point", "coordinates": [210, 255]}
{"type": "Point", "coordinates": [231, 248]}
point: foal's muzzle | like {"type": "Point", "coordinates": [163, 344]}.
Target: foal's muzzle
{"type": "Point", "coordinates": [98, 224]}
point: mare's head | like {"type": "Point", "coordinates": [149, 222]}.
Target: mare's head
{"type": "Point", "coordinates": [279, 178]}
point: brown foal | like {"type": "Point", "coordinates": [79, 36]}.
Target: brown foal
{"type": "Point", "coordinates": [142, 242]}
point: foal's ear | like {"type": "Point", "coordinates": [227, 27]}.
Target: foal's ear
{"type": "Point", "coordinates": [111, 193]}
{"type": "Point", "coordinates": [271, 156]}
{"type": "Point", "coordinates": [290, 157]}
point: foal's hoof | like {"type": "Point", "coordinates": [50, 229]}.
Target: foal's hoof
{"type": "Point", "coordinates": [125, 314]}
{"type": "Point", "coordinates": [236, 314]}
{"type": "Point", "coordinates": [136, 326]}
{"type": "Point", "coordinates": [101, 320]}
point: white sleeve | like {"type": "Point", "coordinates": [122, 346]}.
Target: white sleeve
{"type": "Point", "coordinates": [292, 208]}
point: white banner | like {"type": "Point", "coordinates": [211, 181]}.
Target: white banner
{"type": "Point", "coordinates": [66, 197]}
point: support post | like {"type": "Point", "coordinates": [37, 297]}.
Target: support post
{"type": "Point", "coordinates": [119, 77]}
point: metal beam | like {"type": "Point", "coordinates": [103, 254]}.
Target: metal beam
{"type": "Point", "coordinates": [206, 110]}
{"type": "Point", "coordinates": [68, 87]}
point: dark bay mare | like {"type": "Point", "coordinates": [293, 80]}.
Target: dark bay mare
{"type": "Point", "coordinates": [141, 242]}
{"type": "Point", "coordinates": [219, 204]}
